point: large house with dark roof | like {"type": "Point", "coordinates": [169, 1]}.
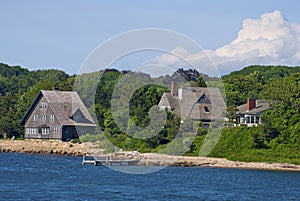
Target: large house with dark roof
{"type": "Point", "coordinates": [249, 114]}
{"type": "Point", "coordinates": [59, 115]}
{"type": "Point", "coordinates": [198, 103]}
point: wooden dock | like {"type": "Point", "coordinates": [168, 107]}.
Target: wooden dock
{"type": "Point", "coordinates": [108, 160]}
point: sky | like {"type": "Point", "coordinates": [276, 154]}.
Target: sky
{"type": "Point", "coordinates": [60, 34]}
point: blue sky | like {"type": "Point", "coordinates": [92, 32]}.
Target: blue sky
{"type": "Point", "coordinates": [61, 33]}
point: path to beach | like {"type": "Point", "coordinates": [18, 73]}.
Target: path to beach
{"type": "Point", "coordinates": [149, 159]}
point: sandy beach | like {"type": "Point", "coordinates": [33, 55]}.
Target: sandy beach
{"type": "Point", "coordinates": [148, 159]}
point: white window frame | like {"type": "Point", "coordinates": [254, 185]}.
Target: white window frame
{"type": "Point", "coordinates": [35, 117]}
{"type": "Point", "coordinates": [43, 117]}
{"type": "Point", "coordinates": [51, 117]}
{"type": "Point", "coordinates": [55, 129]}
{"type": "Point", "coordinates": [31, 131]}
{"type": "Point", "coordinates": [45, 131]}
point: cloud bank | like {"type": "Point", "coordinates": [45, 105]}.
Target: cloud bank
{"type": "Point", "coordinates": [269, 40]}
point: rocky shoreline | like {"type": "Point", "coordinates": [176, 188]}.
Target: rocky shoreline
{"type": "Point", "coordinates": [186, 161]}
{"type": "Point", "coordinates": [148, 159]}
{"type": "Point", "coordinates": [44, 147]}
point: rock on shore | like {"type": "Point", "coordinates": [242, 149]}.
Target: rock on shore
{"type": "Point", "coordinates": [186, 161]}
{"type": "Point", "coordinates": [43, 147]}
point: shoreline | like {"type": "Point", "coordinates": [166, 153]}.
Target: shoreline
{"type": "Point", "coordinates": [43, 147]}
{"type": "Point", "coordinates": [148, 159]}
{"type": "Point", "coordinates": [192, 161]}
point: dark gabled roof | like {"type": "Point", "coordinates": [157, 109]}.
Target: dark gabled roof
{"type": "Point", "coordinates": [261, 106]}
{"type": "Point", "coordinates": [196, 103]}
{"type": "Point", "coordinates": [203, 99]}
{"type": "Point", "coordinates": [63, 104]}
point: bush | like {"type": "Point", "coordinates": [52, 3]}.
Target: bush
{"type": "Point", "coordinates": [77, 140]}
{"type": "Point", "coordinates": [91, 138]}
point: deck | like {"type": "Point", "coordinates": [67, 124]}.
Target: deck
{"type": "Point", "coordinates": [108, 160]}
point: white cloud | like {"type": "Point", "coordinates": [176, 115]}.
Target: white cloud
{"type": "Point", "coordinates": [171, 58]}
{"type": "Point", "coordinates": [269, 40]}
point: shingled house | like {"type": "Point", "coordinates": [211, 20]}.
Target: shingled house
{"type": "Point", "coordinates": [57, 115]}
{"type": "Point", "coordinates": [199, 103]}
{"type": "Point", "coordinates": [249, 114]}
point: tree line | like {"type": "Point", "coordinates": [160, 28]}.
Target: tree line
{"type": "Point", "coordinates": [278, 138]}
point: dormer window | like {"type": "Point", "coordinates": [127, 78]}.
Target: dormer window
{"type": "Point", "coordinates": [206, 109]}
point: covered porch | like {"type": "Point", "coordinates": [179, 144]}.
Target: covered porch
{"type": "Point", "coordinates": [248, 120]}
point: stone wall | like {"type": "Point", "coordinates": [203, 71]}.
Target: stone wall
{"type": "Point", "coordinates": [43, 147]}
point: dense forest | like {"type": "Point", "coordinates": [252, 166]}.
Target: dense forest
{"type": "Point", "coordinates": [276, 139]}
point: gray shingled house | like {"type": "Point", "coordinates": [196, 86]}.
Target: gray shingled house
{"type": "Point", "coordinates": [57, 115]}
{"type": "Point", "coordinates": [249, 114]}
{"type": "Point", "coordinates": [199, 103]}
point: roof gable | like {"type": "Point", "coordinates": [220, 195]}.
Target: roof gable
{"type": "Point", "coordinates": [31, 108]}
{"type": "Point", "coordinates": [197, 103]}
{"type": "Point", "coordinates": [63, 104]}
{"type": "Point", "coordinates": [203, 99]}
{"type": "Point", "coordinates": [79, 117]}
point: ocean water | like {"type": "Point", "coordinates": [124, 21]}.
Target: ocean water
{"type": "Point", "coordinates": [49, 177]}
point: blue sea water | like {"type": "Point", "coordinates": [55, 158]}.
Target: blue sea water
{"type": "Point", "coordinates": [49, 177]}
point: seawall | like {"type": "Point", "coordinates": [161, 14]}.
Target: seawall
{"type": "Point", "coordinates": [43, 147]}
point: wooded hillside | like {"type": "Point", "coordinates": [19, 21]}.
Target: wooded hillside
{"type": "Point", "coordinates": [277, 139]}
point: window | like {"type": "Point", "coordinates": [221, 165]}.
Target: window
{"type": "Point", "coordinates": [51, 117]}
{"type": "Point", "coordinates": [35, 117]}
{"type": "Point", "coordinates": [252, 119]}
{"type": "Point", "coordinates": [257, 120]}
{"type": "Point", "coordinates": [247, 119]}
{"type": "Point", "coordinates": [31, 131]}
{"type": "Point", "coordinates": [55, 129]}
{"type": "Point", "coordinates": [43, 117]}
{"type": "Point", "coordinates": [43, 104]}
{"type": "Point", "coordinates": [206, 109]}
{"type": "Point", "coordinates": [45, 131]}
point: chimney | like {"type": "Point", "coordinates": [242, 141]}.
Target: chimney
{"type": "Point", "coordinates": [251, 103]}
{"type": "Point", "coordinates": [174, 89]}
{"type": "Point", "coordinates": [54, 88]}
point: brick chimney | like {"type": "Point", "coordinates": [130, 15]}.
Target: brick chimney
{"type": "Point", "coordinates": [174, 89]}
{"type": "Point", "coordinates": [251, 103]}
